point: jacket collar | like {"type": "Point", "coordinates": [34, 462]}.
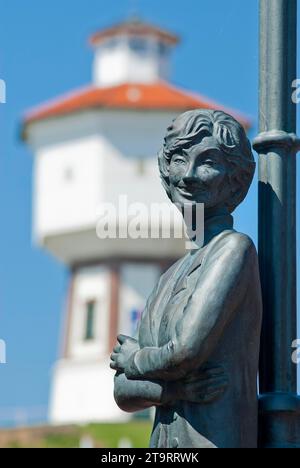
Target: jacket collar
{"type": "Point", "coordinates": [213, 228]}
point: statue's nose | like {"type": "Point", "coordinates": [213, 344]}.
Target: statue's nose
{"type": "Point", "coordinates": [191, 174]}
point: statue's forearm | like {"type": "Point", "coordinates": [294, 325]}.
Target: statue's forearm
{"type": "Point", "coordinates": [209, 309]}
{"type": "Point", "coordinates": [136, 395]}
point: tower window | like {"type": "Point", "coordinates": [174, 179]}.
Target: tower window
{"type": "Point", "coordinates": [138, 45]}
{"type": "Point", "coordinates": [163, 49]}
{"type": "Point", "coordinates": [89, 332]}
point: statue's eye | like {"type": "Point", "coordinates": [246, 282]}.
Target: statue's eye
{"type": "Point", "coordinates": [178, 160]}
{"type": "Point", "coordinates": [209, 162]}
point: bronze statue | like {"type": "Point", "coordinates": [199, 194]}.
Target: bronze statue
{"type": "Point", "coordinates": [195, 355]}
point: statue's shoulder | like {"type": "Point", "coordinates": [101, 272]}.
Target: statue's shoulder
{"type": "Point", "coordinates": [233, 242]}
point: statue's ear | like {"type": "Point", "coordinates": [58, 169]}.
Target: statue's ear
{"type": "Point", "coordinates": [236, 196]}
{"type": "Point", "coordinates": [240, 187]}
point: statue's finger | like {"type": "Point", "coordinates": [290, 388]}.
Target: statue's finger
{"type": "Point", "coordinates": [212, 396]}
{"type": "Point", "coordinates": [214, 382]}
{"type": "Point", "coordinates": [205, 374]}
{"type": "Point", "coordinates": [206, 386]}
{"type": "Point", "coordinates": [113, 366]}
{"type": "Point", "coordinates": [117, 348]}
{"type": "Point", "coordinates": [211, 372]}
{"type": "Point", "coordinates": [123, 338]}
{"type": "Point", "coordinates": [215, 388]}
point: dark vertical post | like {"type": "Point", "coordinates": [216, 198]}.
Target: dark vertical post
{"type": "Point", "coordinates": [277, 146]}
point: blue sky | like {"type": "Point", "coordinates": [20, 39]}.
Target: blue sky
{"type": "Point", "coordinates": [43, 53]}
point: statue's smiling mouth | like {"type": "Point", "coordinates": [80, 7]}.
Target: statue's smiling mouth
{"type": "Point", "coordinates": [184, 192]}
{"type": "Point", "coordinates": [189, 191]}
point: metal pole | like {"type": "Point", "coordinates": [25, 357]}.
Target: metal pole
{"type": "Point", "coordinates": [277, 145]}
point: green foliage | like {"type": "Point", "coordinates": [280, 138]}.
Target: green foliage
{"type": "Point", "coordinates": [137, 432]}
{"type": "Point", "coordinates": [60, 441]}
{"type": "Point", "coordinates": [109, 435]}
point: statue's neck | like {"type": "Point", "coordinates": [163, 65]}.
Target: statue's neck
{"type": "Point", "coordinates": [214, 223]}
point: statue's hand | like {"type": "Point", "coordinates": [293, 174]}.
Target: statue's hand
{"type": "Point", "coordinates": [122, 352]}
{"type": "Point", "coordinates": [204, 386]}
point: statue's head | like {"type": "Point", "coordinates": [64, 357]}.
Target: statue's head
{"type": "Point", "coordinates": [206, 158]}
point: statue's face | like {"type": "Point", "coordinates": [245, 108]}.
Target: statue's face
{"type": "Point", "coordinates": [199, 175]}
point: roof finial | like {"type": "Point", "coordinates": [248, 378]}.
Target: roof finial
{"type": "Point", "coordinates": [134, 16]}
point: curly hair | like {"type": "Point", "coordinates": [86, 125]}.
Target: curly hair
{"type": "Point", "coordinates": [191, 127]}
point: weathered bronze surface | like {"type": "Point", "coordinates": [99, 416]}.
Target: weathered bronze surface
{"type": "Point", "coordinates": [195, 355]}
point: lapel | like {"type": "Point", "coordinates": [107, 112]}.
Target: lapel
{"type": "Point", "coordinates": [182, 283]}
{"type": "Point", "coordinates": [197, 262]}
{"type": "Point", "coordinates": [158, 305]}
{"type": "Point", "coordinates": [166, 289]}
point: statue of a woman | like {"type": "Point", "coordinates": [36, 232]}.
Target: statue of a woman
{"type": "Point", "coordinates": [195, 355]}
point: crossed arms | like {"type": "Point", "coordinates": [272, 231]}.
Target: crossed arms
{"type": "Point", "coordinates": [158, 375]}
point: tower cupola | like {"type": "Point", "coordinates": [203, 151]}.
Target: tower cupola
{"type": "Point", "coordinates": [131, 52]}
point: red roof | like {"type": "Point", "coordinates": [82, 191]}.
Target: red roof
{"type": "Point", "coordinates": [134, 27]}
{"type": "Point", "coordinates": [157, 96]}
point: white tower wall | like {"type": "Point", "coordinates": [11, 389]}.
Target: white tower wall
{"type": "Point", "coordinates": [130, 60]}
{"type": "Point", "coordinates": [83, 161]}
